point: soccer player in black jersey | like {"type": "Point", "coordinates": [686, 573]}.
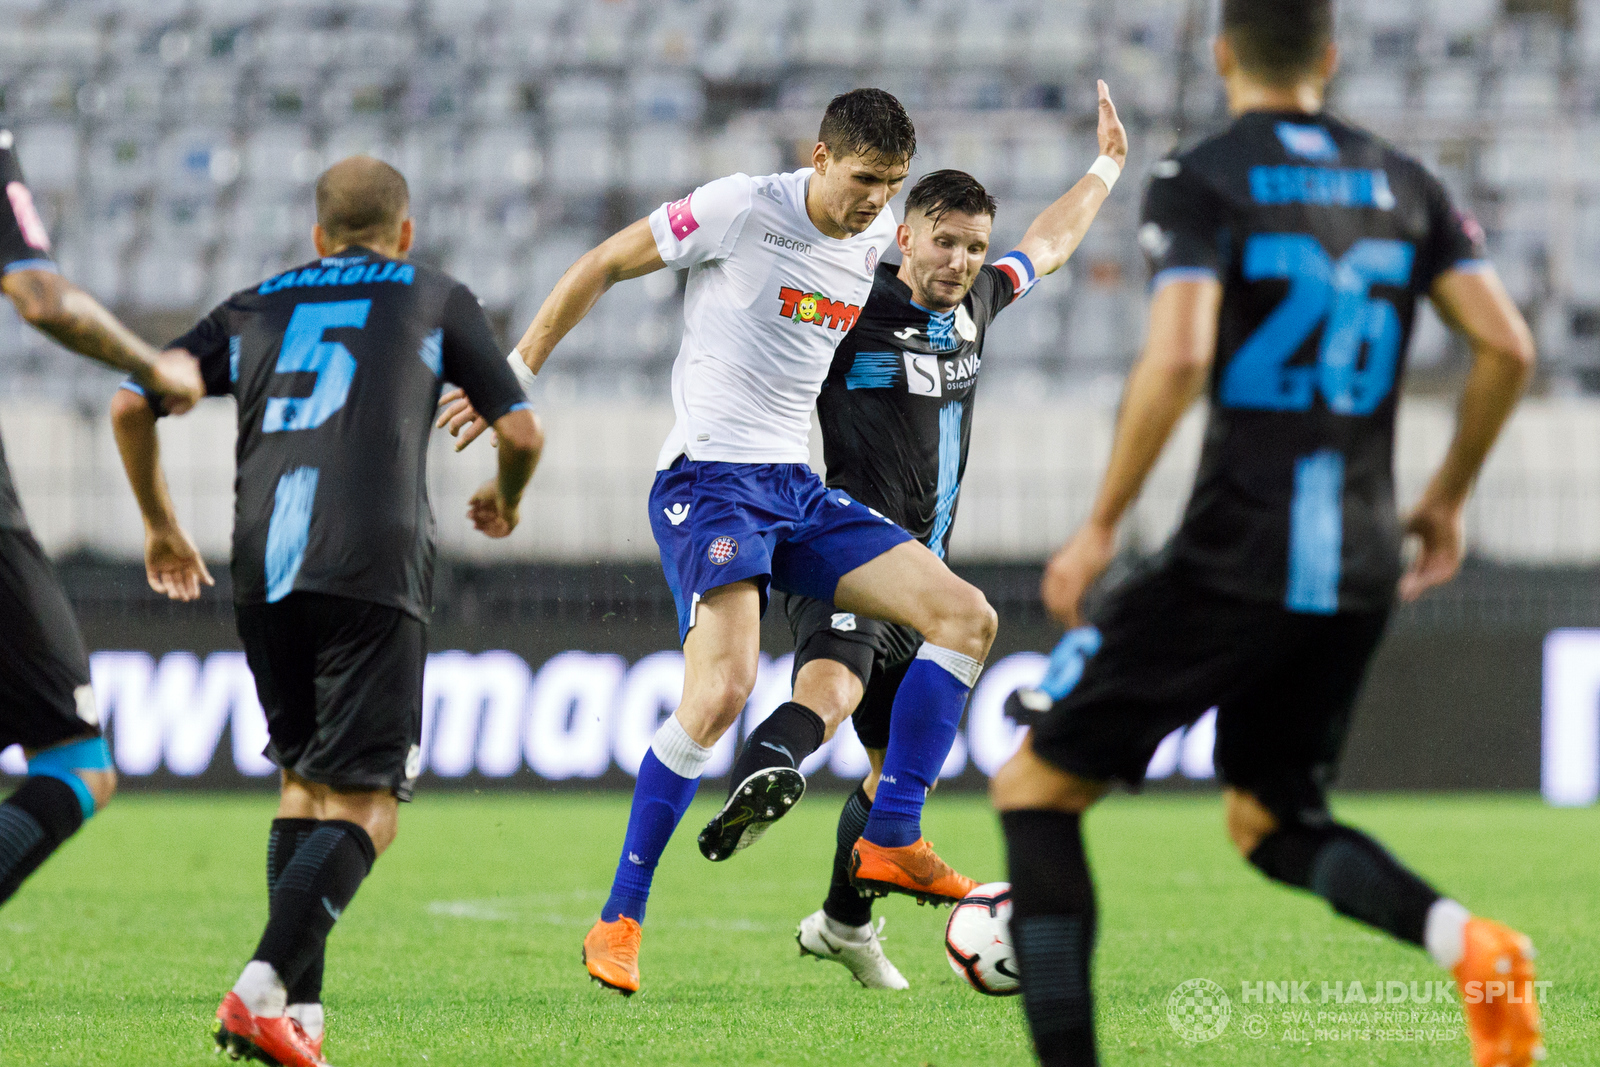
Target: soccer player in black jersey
{"type": "Point", "coordinates": [1290, 254]}
{"type": "Point", "coordinates": [336, 367]}
{"type": "Point", "coordinates": [46, 704]}
{"type": "Point", "coordinates": [896, 415]}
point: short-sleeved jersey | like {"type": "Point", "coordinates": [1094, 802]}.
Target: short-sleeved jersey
{"type": "Point", "coordinates": [896, 409]}
{"type": "Point", "coordinates": [24, 245]}
{"type": "Point", "coordinates": [337, 368]}
{"type": "Point", "coordinates": [769, 298]}
{"type": "Point", "coordinates": [1324, 239]}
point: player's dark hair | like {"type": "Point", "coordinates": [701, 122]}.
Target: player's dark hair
{"type": "Point", "coordinates": [1278, 41]}
{"type": "Point", "coordinates": [866, 122]}
{"type": "Point", "coordinates": [361, 198]}
{"type": "Point", "coordinates": [950, 190]}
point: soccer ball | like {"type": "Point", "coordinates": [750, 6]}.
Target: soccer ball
{"type": "Point", "coordinates": [977, 940]}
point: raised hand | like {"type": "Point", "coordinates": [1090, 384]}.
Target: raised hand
{"type": "Point", "coordinates": [1113, 138]}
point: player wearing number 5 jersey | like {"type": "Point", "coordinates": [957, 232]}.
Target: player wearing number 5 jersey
{"type": "Point", "coordinates": [1289, 256]}
{"type": "Point", "coordinates": [336, 367]}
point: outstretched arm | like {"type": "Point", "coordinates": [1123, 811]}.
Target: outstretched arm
{"type": "Point", "coordinates": [1056, 233]}
{"type": "Point", "coordinates": [173, 564]}
{"type": "Point", "coordinates": [1166, 380]}
{"type": "Point", "coordinates": [76, 320]}
{"type": "Point", "coordinates": [1475, 304]}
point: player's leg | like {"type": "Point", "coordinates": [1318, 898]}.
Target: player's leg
{"type": "Point", "coordinates": [833, 658]}
{"type": "Point", "coordinates": [1276, 747]}
{"type": "Point", "coordinates": [46, 705]}
{"type": "Point", "coordinates": [911, 586]}
{"type": "Point", "coordinates": [1052, 897]}
{"type": "Point", "coordinates": [296, 820]}
{"type": "Point", "coordinates": [721, 654]}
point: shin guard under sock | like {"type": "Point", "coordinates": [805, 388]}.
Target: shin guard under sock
{"type": "Point", "coordinates": [922, 727]}
{"type": "Point", "coordinates": [312, 892]}
{"type": "Point", "coordinates": [34, 822]}
{"type": "Point", "coordinates": [784, 739]}
{"type": "Point", "coordinates": [845, 903]}
{"type": "Point", "coordinates": [1052, 932]}
{"type": "Point", "coordinates": [1352, 872]}
{"type": "Point", "coordinates": [669, 774]}
{"type": "Point", "coordinates": [283, 841]}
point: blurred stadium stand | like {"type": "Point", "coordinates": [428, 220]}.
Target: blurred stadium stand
{"type": "Point", "coordinates": [172, 143]}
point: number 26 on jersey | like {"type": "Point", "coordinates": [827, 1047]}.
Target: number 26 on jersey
{"type": "Point", "coordinates": [1335, 295]}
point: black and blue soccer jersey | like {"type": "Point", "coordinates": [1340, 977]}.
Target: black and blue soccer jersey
{"type": "Point", "coordinates": [24, 245]}
{"type": "Point", "coordinates": [337, 368]}
{"type": "Point", "coordinates": [896, 408]}
{"type": "Point", "coordinates": [1324, 239]}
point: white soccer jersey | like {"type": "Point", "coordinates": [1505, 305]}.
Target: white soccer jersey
{"type": "Point", "coordinates": [770, 296]}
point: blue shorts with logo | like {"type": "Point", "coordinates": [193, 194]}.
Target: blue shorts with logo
{"type": "Point", "coordinates": [772, 523]}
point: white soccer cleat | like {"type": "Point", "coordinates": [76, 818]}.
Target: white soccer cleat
{"type": "Point", "coordinates": [864, 958]}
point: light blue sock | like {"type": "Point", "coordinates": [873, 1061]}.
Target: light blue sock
{"type": "Point", "coordinates": [666, 785]}
{"type": "Point", "coordinates": [922, 727]}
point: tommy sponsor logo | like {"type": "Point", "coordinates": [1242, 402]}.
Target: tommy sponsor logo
{"type": "Point", "coordinates": [786, 243]}
{"type": "Point", "coordinates": [676, 513]}
{"type": "Point", "coordinates": [722, 550]}
{"type": "Point", "coordinates": [817, 309]}
{"type": "Point", "coordinates": [680, 218]}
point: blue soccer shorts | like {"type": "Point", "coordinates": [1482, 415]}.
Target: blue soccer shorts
{"type": "Point", "coordinates": [772, 523]}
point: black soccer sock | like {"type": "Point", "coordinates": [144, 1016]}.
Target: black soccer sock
{"type": "Point", "coordinates": [1052, 932]}
{"type": "Point", "coordinates": [283, 841]}
{"type": "Point", "coordinates": [312, 892]}
{"type": "Point", "coordinates": [845, 903]}
{"type": "Point", "coordinates": [34, 821]}
{"type": "Point", "coordinates": [784, 739]}
{"type": "Point", "coordinates": [1352, 872]}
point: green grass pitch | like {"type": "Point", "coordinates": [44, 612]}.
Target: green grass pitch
{"type": "Point", "coordinates": [463, 946]}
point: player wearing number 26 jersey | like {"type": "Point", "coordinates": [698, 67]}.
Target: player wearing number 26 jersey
{"type": "Point", "coordinates": [1289, 256]}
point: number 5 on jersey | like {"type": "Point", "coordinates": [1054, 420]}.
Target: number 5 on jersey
{"type": "Point", "coordinates": [303, 349]}
{"type": "Point", "coordinates": [1321, 290]}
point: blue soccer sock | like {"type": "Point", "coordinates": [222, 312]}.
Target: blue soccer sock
{"type": "Point", "coordinates": [668, 778]}
{"type": "Point", "coordinates": [922, 727]}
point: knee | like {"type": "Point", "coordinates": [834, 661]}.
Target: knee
{"type": "Point", "coordinates": [1028, 783]}
{"type": "Point", "coordinates": [964, 620]}
{"type": "Point", "coordinates": [102, 786]}
{"type": "Point", "coordinates": [1249, 822]}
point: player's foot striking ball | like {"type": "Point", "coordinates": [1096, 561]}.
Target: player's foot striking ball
{"type": "Point", "coordinates": [1293, 304]}
{"type": "Point", "coordinates": [914, 870]}
{"type": "Point", "coordinates": [333, 621]}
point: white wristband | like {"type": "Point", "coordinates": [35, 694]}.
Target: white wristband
{"type": "Point", "coordinates": [1107, 170]}
{"type": "Point", "coordinates": [525, 377]}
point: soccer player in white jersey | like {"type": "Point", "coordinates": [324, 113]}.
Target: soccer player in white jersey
{"type": "Point", "coordinates": [779, 268]}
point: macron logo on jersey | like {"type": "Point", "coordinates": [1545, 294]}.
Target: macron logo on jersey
{"type": "Point", "coordinates": [818, 310]}
{"type": "Point", "coordinates": [680, 217]}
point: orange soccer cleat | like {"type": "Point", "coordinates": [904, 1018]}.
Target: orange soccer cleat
{"type": "Point", "coordinates": [277, 1040]}
{"type": "Point", "coordinates": [611, 952]}
{"type": "Point", "coordinates": [1496, 981]}
{"type": "Point", "coordinates": [915, 870]}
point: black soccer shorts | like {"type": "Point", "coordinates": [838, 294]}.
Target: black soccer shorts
{"type": "Point", "coordinates": [1284, 685]}
{"type": "Point", "coordinates": [45, 699]}
{"type": "Point", "coordinates": [876, 652]}
{"type": "Point", "coordinates": [340, 681]}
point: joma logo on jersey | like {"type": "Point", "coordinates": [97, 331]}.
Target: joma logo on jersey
{"type": "Point", "coordinates": [817, 309]}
